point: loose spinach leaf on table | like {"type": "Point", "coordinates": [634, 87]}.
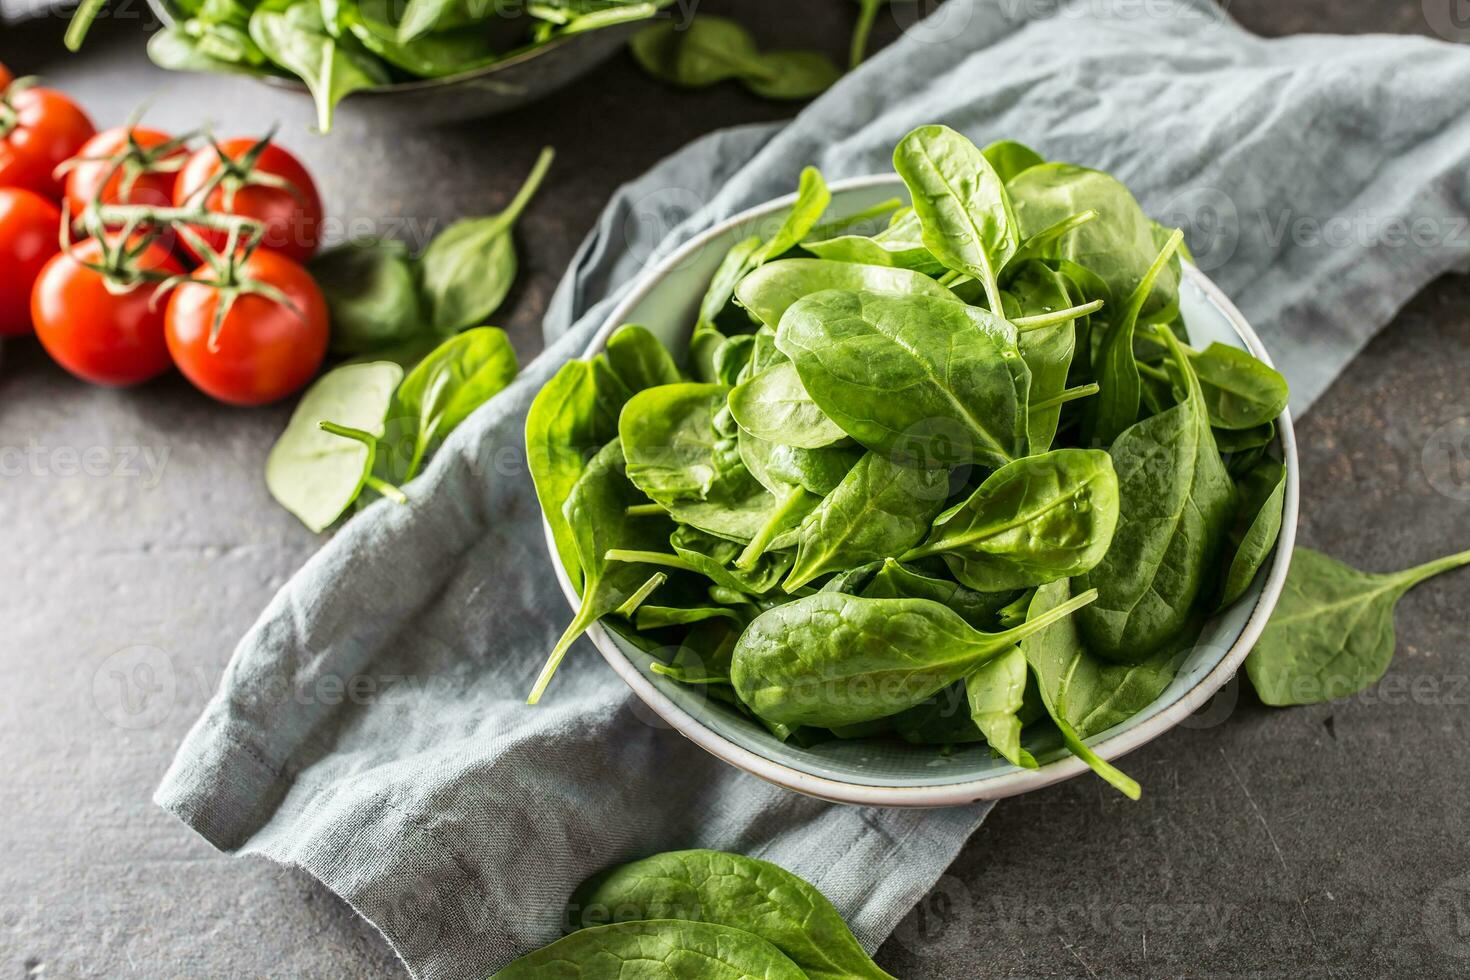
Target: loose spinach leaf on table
{"type": "Point", "coordinates": [469, 267]}
{"type": "Point", "coordinates": [735, 891]}
{"type": "Point", "coordinates": [930, 380]}
{"type": "Point", "coordinates": [1175, 504]}
{"type": "Point", "coordinates": [683, 948]}
{"type": "Point", "coordinates": [373, 294]}
{"type": "Point", "coordinates": [832, 659]}
{"type": "Point", "coordinates": [317, 474]}
{"type": "Point", "coordinates": [1032, 521]}
{"type": "Point", "coordinates": [961, 202]}
{"type": "Point", "coordinates": [1256, 525]}
{"type": "Point", "coordinates": [880, 509]}
{"type": "Point", "coordinates": [596, 512]}
{"type": "Point", "coordinates": [1332, 632]}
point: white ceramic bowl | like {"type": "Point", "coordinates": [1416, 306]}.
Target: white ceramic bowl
{"type": "Point", "coordinates": [889, 772]}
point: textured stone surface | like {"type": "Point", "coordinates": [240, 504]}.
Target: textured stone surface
{"type": "Point", "coordinates": [1325, 841]}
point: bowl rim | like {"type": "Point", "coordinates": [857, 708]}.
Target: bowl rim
{"type": "Point", "coordinates": [168, 15]}
{"type": "Point", "coordinates": [989, 787]}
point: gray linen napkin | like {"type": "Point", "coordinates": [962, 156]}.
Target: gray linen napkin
{"type": "Point", "coordinates": [370, 729]}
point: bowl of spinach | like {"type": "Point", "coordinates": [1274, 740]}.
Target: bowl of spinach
{"type": "Point", "coordinates": [416, 63]}
{"type": "Point", "coordinates": [922, 489]}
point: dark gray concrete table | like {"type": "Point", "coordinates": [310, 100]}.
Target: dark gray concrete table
{"type": "Point", "coordinates": [1326, 841]}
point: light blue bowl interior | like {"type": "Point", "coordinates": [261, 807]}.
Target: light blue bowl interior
{"type": "Point", "coordinates": [669, 309]}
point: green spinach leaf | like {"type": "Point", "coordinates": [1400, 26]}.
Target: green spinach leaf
{"type": "Point", "coordinates": [372, 293]}
{"type": "Point", "coordinates": [1332, 632]}
{"type": "Point", "coordinates": [680, 948]}
{"type": "Point", "coordinates": [879, 509]}
{"type": "Point", "coordinates": [730, 890]}
{"type": "Point", "coordinates": [1257, 524]}
{"type": "Point", "coordinates": [469, 267]}
{"type": "Point", "coordinates": [1032, 521]}
{"type": "Point", "coordinates": [832, 659]}
{"type": "Point", "coordinates": [297, 39]}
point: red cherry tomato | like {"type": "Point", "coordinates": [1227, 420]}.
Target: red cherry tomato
{"type": "Point", "coordinates": [30, 233]}
{"type": "Point", "coordinates": [264, 350]}
{"type": "Point", "coordinates": [287, 202]}
{"type": "Point", "coordinates": [115, 173]}
{"type": "Point", "coordinates": [5, 78]}
{"type": "Point", "coordinates": [98, 336]}
{"type": "Point", "coordinates": [39, 129]}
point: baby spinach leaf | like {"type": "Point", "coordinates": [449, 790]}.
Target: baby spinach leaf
{"type": "Point", "coordinates": [658, 617]}
{"type": "Point", "coordinates": [962, 203]}
{"type": "Point", "coordinates": [778, 467]}
{"type": "Point", "coordinates": [832, 659]}
{"type": "Point", "coordinates": [1237, 441]}
{"type": "Point", "coordinates": [677, 458]}
{"type": "Point", "coordinates": [1257, 523]}
{"type": "Point", "coordinates": [812, 198]}
{"type": "Point", "coordinates": [1175, 504]}
{"type": "Point", "coordinates": [709, 50]}
{"type": "Point", "coordinates": [469, 267]}
{"type": "Point", "coordinates": [1010, 158]}
{"type": "Point", "coordinates": [596, 513]}
{"type": "Point", "coordinates": [1118, 248]}
{"type": "Point", "coordinates": [1240, 391]}
{"type": "Point", "coordinates": [1032, 521]}
{"type": "Point", "coordinates": [456, 378]}
{"type": "Point", "coordinates": [680, 948]}
{"type": "Point", "coordinates": [774, 406]}
{"type": "Point", "coordinates": [1116, 406]}
{"type": "Point", "coordinates": [735, 891]}
{"type": "Point", "coordinates": [563, 430]}
{"type": "Point", "coordinates": [942, 719]}
{"type": "Point", "coordinates": [996, 692]}
{"type": "Point", "coordinates": [297, 39]}
{"type": "Point", "coordinates": [372, 293]}
{"type": "Point", "coordinates": [639, 360]}
{"type": "Point", "coordinates": [770, 291]}
{"type": "Point", "coordinates": [895, 580]}
{"type": "Point", "coordinates": [721, 287]}
{"type": "Point", "coordinates": [316, 474]}
{"type": "Point", "coordinates": [437, 55]}
{"type": "Point", "coordinates": [1047, 351]}
{"type": "Point", "coordinates": [879, 509]}
{"type": "Point", "coordinates": [1082, 696]}
{"type": "Point", "coordinates": [1332, 632]}
{"type": "Point", "coordinates": [793, 75]}
{"type": "Point", "coordinates": [912, 376]}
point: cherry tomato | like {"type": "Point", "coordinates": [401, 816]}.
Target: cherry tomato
{"type": "Point", "coordinates": [30, 233]}
{"type": "Point", "coordinates": [291, 213]}
{"type": "Point", "coordinates": [98, 336]}
{"type": "Point", "coordinates": [111, 161]}
{"type": "Point", "coordinates": [264, 350]}
{"type": "Point", "coordinates": [39, 129]}
{"type": "Point", "coordinates": [5, 78]}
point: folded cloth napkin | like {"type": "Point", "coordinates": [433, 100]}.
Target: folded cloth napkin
{"type": "Point", "coordinates": [370, 727]}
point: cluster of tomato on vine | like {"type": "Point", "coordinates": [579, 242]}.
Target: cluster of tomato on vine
{"type": "Point", "coordinates": [130, 251]}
